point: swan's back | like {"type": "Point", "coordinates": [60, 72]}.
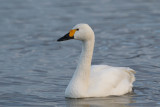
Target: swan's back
{"type": "Point", "coordinates": [107, 80]}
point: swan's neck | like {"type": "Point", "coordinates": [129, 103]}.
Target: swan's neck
{"type": "Point", "coordinates": [82, 73]}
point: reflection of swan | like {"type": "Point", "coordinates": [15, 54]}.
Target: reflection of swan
{"type": "Point", "coordinates": [111, 101]}
{"type": "Point", "coordinates": [98, 80]}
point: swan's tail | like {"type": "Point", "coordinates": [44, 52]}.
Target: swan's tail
{"type": "Point", "coordinates": [131, 72]}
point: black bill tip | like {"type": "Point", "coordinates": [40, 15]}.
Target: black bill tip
{"type": "Point", "coordinates": [61, 39]}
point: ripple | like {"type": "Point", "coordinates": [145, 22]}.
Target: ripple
{"type": "Point", "coordinates": [35, 69]}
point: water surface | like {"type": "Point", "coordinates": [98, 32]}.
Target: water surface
{"type": "Point", "coordinates": [35, 69]}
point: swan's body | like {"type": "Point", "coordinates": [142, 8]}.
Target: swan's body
{"type": "Point", "coordinates": [96, 80]}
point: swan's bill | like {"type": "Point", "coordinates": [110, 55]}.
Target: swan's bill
{"type": "Point", "coordinates": [69, 35]}
{"type": "Point", "coordinates": [65, 37]}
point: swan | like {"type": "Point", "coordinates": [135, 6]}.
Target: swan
{"type": "Point", "coordinates": [95, 80]}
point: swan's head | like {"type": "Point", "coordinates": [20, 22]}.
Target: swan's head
{"type": "Point", "coordinates": [81, 32]}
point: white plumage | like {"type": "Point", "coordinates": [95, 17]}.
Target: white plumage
{"type": "Point", "coordinates": [96, 80]}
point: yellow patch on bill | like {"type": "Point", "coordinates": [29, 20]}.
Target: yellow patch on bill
{"type": "Point", "coordinates": [72, 32]}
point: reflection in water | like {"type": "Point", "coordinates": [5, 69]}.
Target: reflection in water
{"type": "Point", "coordinates": [112, 101]}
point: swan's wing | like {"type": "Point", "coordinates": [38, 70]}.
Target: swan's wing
{"type": "Point", "coordinates": [106, 79]}
{"type": "Point", "coordinates": [108, 70]}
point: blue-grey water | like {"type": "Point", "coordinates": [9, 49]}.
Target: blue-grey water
{"type": "Point", "coordinates": [35, 69]}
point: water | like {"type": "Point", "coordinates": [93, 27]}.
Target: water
{"type": "Point", "coordinates": [35, 69]}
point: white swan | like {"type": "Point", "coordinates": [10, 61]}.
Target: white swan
{"type": "Point", "coordinates": [96, 80]}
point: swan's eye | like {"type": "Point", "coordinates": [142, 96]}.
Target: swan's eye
{"type": "Point", "coordinates": [77, 29]}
